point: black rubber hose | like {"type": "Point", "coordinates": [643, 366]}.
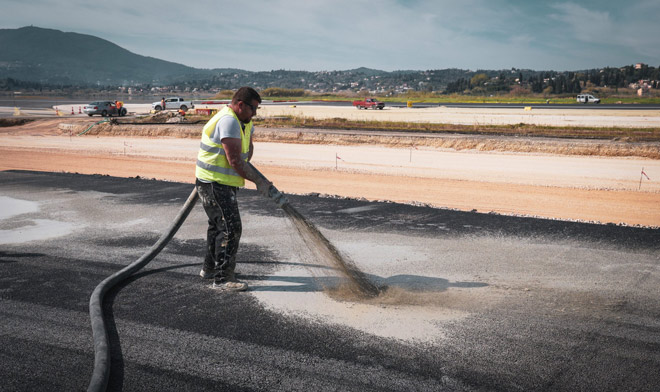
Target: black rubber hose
{"type": "Point", "coordinates": [99, 381]}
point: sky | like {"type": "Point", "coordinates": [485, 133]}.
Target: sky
{"type": "Point", "coordinates": [309, 35]}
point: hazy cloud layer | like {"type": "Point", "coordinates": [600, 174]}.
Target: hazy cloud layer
{"type": "Point", "coordinates": [344, 34]}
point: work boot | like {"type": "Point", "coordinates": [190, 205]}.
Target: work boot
{"type": "Point", "coordinates": [230, 285]}
{"type": "Point", "coordinates": [208, 269]}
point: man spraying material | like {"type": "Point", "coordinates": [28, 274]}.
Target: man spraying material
{"type": "Point", "coordinates": [222, 167]}
{"type": "Point", "coordinates": [223, 164]}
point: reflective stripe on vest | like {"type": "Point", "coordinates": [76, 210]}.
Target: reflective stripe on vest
{"type": "Point", "coordinates": [218, 169]}
{"type": "Point", "coordinates": [212, 163]}
{"type": "Point", "coordinates": [219, 150]}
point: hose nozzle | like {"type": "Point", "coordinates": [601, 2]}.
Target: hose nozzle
{"type": "Point", "coordinates": [277, 196]}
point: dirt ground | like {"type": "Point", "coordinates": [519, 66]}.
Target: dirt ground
{"type": "Point", "coordinates": [477, 116]}
{"type": "Point", "coordinates": [584, 188]}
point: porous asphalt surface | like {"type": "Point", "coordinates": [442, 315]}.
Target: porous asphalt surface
{"type": "Point", "coordinates": [170, 332]}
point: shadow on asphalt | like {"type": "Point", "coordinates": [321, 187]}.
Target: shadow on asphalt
{"type": "Point", "coordinates": [297, 284]}
{"type": "Point", "coordinates": [6, 257]}
{"type": "Point", "coordinates": [423, 283]}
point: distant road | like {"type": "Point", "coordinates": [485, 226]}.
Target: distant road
{"type": "Point", "coordinates": [488, 105]}
{"type": "Point", "coordinates": [66, 104]}
{"type": "Point", "coordinates": [555, 106]}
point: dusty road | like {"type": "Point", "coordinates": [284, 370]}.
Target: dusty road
{"type": "Point", "coordinates": [600, 189]}
{"type": "Point", "coordinates": [478, 116]}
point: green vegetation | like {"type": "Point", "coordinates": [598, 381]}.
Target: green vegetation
{"type": "Point", "coordinates": [271, 92]}
{"type": "Point", "coordinates": [282, 92]}
{"type": "Point", "coordinates": [224, 94]}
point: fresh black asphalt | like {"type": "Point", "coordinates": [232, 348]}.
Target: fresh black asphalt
{"type": "Point", "coordinates": [170, 332]}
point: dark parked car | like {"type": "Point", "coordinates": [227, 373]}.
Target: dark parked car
{"type": "Point", "coordinates": [104, 108]}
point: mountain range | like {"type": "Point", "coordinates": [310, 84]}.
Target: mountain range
{"type": "Point", "coordinates": [34, 57]}
{"type": "Point", "coordinates": [52, 56]}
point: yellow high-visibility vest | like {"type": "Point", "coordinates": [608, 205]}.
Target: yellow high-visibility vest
{"type": "Point", "coordinates": [212, 163]}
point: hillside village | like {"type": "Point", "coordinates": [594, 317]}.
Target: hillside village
{"type": "Point", "coordinates": [91, 64]}
{"type": "Point", "coordinates": [640, 78]}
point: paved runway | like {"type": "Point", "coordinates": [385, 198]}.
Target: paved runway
{"type": "Point", "coordinates": [485, 302]}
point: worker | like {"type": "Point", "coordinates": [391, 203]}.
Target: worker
{"type": "Point", "coordinates": [162, 103]}
{"type": "Point", "coordinates": [222, 167]}
{"type": "Point", "coordinates": [119, 105]}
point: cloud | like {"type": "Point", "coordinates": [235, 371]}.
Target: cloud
{"type": "Point", "coordinates": [343, 34]}
{"type": "Point", "coordinates": [633, 31]}
{"type": "Point", "coordinates": [586, 25]}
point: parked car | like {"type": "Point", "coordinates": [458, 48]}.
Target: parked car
{"type": "Point", "coordinates": [369, 103]}
{"type": "Point", "coordinates": [103, 108]}
{"type": "Point", "coordinates": [175, 103]}
{"type": "Point", "coordinates": [587, 98]}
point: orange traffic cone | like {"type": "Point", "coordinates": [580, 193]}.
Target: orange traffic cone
{"type": "Point", "coordinates": [79, 111]}
{"type": "Point", "coordinates": [72, 113]}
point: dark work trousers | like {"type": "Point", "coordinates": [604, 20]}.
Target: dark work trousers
{"type": "Point", "coordinates": [225, 228]}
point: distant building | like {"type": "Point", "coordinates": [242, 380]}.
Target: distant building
{"type": "Point", "coordinates": [639, 65]}
{"type": "Point", "coordinates": [644, 86]}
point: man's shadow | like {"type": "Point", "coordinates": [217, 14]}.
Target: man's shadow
{"type": "Point", "coordinates": [415, 283]}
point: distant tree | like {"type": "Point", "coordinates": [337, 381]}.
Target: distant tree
{"type": "Point", "coordinates": [536, 83]}
{"type": "Point", "coordinates": [479, 80]}
{"type": "Point", "coordinates": [282, 92]}
{"type": "Point", "coordinates": [458, 86]}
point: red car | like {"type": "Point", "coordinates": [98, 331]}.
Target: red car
{"type": "Point", "coordinates": [369, 103]}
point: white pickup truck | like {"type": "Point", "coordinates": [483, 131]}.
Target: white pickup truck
{"type": "Point", "coordinates": [587, 98]}
{"type": "Point", "coordinates": [175, 103]}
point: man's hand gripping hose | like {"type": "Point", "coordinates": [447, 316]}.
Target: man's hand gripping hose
{"type": "Point", "coordinates": [266, 188]}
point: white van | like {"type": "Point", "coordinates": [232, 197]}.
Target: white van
{"type": "Point", "coordinates": [587, 98]}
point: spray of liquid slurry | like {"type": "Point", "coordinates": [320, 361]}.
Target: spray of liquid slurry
{"type": "Point", "coordinates": [358, 284]}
